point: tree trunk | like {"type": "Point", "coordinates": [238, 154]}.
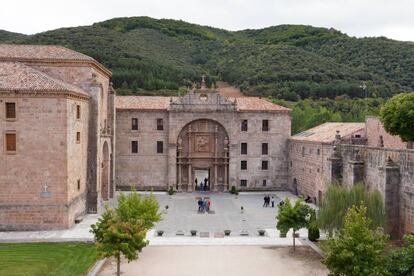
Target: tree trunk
{"type": "Point", "coordinates": [294, 240]}
{"type": "Point", "coordinates": [118, 266]}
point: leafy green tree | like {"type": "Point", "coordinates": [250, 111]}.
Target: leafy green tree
{"type": "Point", "coordinates": [397, 116]}
{"type": "Point", "coordinates": [338, 199]}
{"type": "Point", "coordinates": [357, 250]}
{"type": "Point", "coordinates": [400, 262]}
{"type": "Point", "coordinates": [292, 217]}
{"type": "Point", "coordinates": [122, 231]}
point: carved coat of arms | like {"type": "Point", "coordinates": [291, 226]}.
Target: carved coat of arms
{"type": "Point", "coordinates": [202, 144]}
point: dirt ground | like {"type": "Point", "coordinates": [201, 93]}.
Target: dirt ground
{"type": "Point", "coordinates": [226, 90]}
{"type": "Point", "coordinates": [221, 261]}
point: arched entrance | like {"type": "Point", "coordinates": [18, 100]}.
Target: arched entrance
{"type": "Point", "coordinates": [105, 172]}
{"type": "Point", "coordinates": [203, 152]}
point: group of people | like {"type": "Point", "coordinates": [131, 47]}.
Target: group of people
{"type": "Point", "coordinates": [204, 205]}
{"type": "Point", "coordinates": [267, 200]}
{"type": "Point", "coordinates": [202, 186]}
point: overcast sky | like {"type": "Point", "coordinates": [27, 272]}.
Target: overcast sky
{"type": "Point", "coordinates": [390, 18]}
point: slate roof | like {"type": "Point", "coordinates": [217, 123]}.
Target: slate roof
{"type": "Point", "coordinates": [15, 76]}
{"type": "Point", "coordinates": [326, 132]}
{"type": "Point", "coordinates": [54, 52]}
{"type": "Point", "coordinates": [162, 103]}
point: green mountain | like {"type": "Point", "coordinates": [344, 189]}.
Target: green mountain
{"type": "Point", "coordinates": [291, 62]}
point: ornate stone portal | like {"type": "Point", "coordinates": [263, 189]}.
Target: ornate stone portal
{"type": "Point", "coordinates": [203, 145]}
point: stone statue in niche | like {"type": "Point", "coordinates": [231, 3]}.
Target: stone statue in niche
{"type": "Point", "coordinates": [202, 144]}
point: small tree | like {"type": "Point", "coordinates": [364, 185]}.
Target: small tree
{"type": "Point", "coordinates": [122, 231]}
{"type": "Point", "coordinates": [397, 115]}
{"type": "Point", "coordinates": [400, 262]}
{"type": "Point", "coordinates": [357, 250]}
{"type": "Point", "coordinates": [292, 217]}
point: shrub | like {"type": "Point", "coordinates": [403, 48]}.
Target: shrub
{"type": "Point", "coordinates": [171, 190]}
{"type": "Point", "coordinates": [233, 190]}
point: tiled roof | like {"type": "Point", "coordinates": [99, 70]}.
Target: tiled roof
{"type": "Point", "coordinates": [52, 52]}
{"type": "Point", "coordinates": [143, 102]}
{"type": "Point", "coordinates": [162, 103]}
{"type": "Point", "coordinates": [326, 132]}
{"type": "Point", "coordinates": [257, 104]}
{"type": "Point", "coordinates": [15, 76]}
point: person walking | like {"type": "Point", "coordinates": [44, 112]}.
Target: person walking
{"type": "Point", "coordinates": [208, 205]}
{"type": "Point", "coordinates": [196, 182]}
{"type": "Point", "coordinates": [264, 201]}
{"type": "Point", "coordinates": [273, 202]}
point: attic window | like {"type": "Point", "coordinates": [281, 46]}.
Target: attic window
{"type": "Point", "coordinates": [203, 97]}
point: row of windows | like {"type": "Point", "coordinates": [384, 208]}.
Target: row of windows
{"type": "Point", "coordinates": [243, 165]}
{"type": "Point", "coordinates": [159, 122]}
{"type": "Point", "coordinates": [243, 182]}
{"type": "Point", "coordinates": [11, 110]}
{"type": "Point", "coordinates": [265, 148]}
{"type": "Point", "coordinates": [318, 151]}
{"type": "Point", "coordinates": [134, 147]}
{"type": "Point", "coordinates": [245, 125]}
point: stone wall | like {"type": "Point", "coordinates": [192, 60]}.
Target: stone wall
{"type": "Point", "coordinates": [375, 129]}
{"type": "Point", "coordinates": [37, 181]}
{"type": "Point", "coordinates": [147, 169]}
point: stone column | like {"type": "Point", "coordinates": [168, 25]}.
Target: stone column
{"type": "Point", "coordinates": [190, 179]}
{"type": "Point", "coordinates": [357, 169]}
{"type": "Point", "coordinates": [336, 166]}
{"type": "Point", "coordinates": [215, 159]}
{"type": "Point", "coordinates": [392, 198]}
{"type": "Point", "coordinates": [226, 163]}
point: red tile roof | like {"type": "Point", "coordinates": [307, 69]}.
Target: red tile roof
{"type": "Point", "coordinates": [143, 102]}
{"type": "Point", "coordinates": [15, 76]}
{"type": "Point", "coordinates": [162, 103]}
{"type": "Point", "coordinates": [54, 52]}
{"type": "Point", "coordinates": [326, 132]}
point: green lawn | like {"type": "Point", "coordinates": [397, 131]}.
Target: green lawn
{"type": "Point", "coordinates": [71, 258]}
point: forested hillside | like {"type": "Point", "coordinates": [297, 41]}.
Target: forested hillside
{"type": "Point", "coordinates": [291, 62]}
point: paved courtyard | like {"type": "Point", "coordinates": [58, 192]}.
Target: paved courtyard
{"type": "Point", "coordinates": [220, 261]}
{"type": "Point", "coordinates": [182, 216]}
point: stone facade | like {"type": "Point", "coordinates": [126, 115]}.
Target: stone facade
{"type": "Point", "coordinates": [201, 132]}
{"type": "Point", "coordinates": [315, 164]}
{"type": "Point", "coordinates": [62, 167]}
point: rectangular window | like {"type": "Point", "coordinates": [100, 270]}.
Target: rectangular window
{"type": "Point", "coordinates": [160, 146]}
{"type": "Point", "coordinates": [243, 183]}
{"type": "Point", "coordinates": [264, 183]}
{"type": "Point", "coordinates": [134, 146]}
{"type": "Point", "coordinates": [78, 137]}
{"type": "Point", "coordinates": [244, 125]}
{"type": "Point", "coordinates": [78, 111]}
{"type": "Point", "coordinates": [160, 124]}
{"type": "Point", "coordinates": [78, 184]}
{"type": "Point", "coordinates": [243, 148]}
{"type": "Point", "coordinates": [11, 142]}
{"type": "Point", "coordinates": [265, 148]}
{"type": "Point", "coordinates": [265, 125]}
{"type": "Point", "coordinates": [10, 110]}
{"type": "Point", "coordinates": [265, 165]}
{"type": "Point", "coordinates": [134, 124]}
{"type": "Point", "coordinates": [243, 165]}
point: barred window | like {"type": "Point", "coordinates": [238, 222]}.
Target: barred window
{"type": "Point", "coordinates": [265, 165]}
{"type": "Point", "coordinates": [78, 111]}
{"type": "Point", "coordinates": [244, 125]}
{"type": "Point", "coordinates": [243, 148]}
{"type": "Point", "coordinates": [134, 146]}
{"type": "Point", "coordinates": [243, 165]}
{"type": "Point", "coordinates": [134, 124]}
{"type": "Point", "coordinates": [160, 124]}
{"type": "Point", "coordinates": [10, 110]}
{"type": "Point", "coordinates": [11, 142]}
{"type": "Point", "coordinates": [265, 148]}
{"type": "Point", "coordinates": [243, 183]}
{"type": "Point", "coordinates": [265, 125]}
{"type": "Point", "coordinates": [160, 146]}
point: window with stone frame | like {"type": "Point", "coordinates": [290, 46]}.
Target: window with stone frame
{"type": "Point", "coordinates": [244, 125]}
{"type": "Point", "coordinates": [160, 124]}
{"type": "Point", "coordinates": [11, 143]}
{"type": "Point", "coordinates": [160, 146]}
{"type": "Point", "coordinates": [10, 110]}
{"type": "Point", "coordinates": [243, 165]}
{"type": "Point", "coordinates": [243, 183]}
{"type": "Point", "coordinates": [264, 182]}
{"type": "Point", "coordinates": [134, 124]}
{"type": "Point", "coordinates": [243, 148]}
{"type": "Point", "coordinates": [78, 137]}
{"type": "Point", "coordinates": [265, 148]}
{"type": "Point", "coordinates": [78, 111]}
{"type": "Point", "coordinates": [265, 165]}
{"type": "Point", "coordinates": [265, 125]}
{"type": "Point", "coordinates": [134, 146]}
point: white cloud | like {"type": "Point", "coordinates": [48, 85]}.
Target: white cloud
{"type": "Point", "coordinates": [393, 19]}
